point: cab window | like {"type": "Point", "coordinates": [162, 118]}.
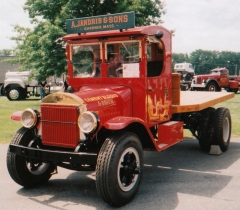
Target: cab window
{"type": "Point", "coordinates": [86, 60]}
{"type": "Point", "coordinates": [123, 59]}
{"type": "Point", "coordinates": [155, 61]}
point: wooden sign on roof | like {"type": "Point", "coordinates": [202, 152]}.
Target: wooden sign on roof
{"type": "Point", "coordinates": [101, 23]}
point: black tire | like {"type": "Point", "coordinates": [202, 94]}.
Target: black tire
{"type": "Point", "coordinates": [27, 173]}
{"type": "Point", "coordinates": [212, 87]}
{"type": "Point", "coordinates": [14, 94]}
{"type": "Point", "coordinates": [232, 90]}
{"type": "Point", "coordinates": [222, 128]}
{"type": "Point", "coordinates": [1, 90]}
{"type": "Point", "coordinates": [23, 94]}
{"type": "Point", "coordinates": [119, 169]}
{"type": "Point", "coordinates": [188, 86]}
{"type": "Point", "coordinates": [205, 131]}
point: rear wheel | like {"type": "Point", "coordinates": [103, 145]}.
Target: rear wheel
{"type": "Point", "coordinates": [222, 128]}
{"type": "Point", "coordinates": [119, 169]}
{"type": "Point", "coordinates": [205, 131]}
{"type": "Point", "coordinates": [23, 172]}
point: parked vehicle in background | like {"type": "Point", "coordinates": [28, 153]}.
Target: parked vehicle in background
{"type": "Point", "coordinates": [4, 68]}
{"type": "Point", "coordinates": [217, 79]}
{"type": "Point", "coordinates": [22, 85]}
{"type": "Point", "coordinates": [187, 72]}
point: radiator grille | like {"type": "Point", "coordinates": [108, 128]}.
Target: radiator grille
{"type": "Point", "coordinates": [59, 125]}
{"type": "Point", "coordinates": [199, 80]}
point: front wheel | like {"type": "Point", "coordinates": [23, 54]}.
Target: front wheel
{"type": "Point", "coordinates": [14, 94]}
{"type": "Point", "coordinates": [222, 128]}
{"type": "Point", "coordinates": [119, 169]}
{"type": "Point", "coordinates": [27, 173]}
{"type": "Point", "coordinates": [212, 87]}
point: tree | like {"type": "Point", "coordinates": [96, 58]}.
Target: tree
{"type": "Point", "coordinates": [6, 52]}
{"type": "Point", "coordinates": [38, 49]}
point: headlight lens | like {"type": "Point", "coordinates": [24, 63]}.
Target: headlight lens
{"type": "Point", "coordinates": [88, 122]}
{"type": "Point", "coordinates": [29, 118]}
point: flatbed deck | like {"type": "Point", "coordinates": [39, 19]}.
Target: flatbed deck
{"type": "Point", "coordinates": [191, 101]}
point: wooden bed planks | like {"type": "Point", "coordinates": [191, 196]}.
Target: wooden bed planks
{"type": "Point", "coordinates": [191, 101]}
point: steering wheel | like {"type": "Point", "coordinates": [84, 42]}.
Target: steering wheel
{"type": "Point", "coordinates": [119, 71]}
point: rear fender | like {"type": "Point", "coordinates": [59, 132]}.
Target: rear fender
{"type": "Point", "coordinates": [233, 84]}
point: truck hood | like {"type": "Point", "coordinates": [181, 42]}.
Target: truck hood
{"type": "Point", "coordinates": [206, 76]}
{"type": "Point", "coordinates": [107, 102]}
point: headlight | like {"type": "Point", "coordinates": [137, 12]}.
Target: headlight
{"type": "Point", "coordinates": [88, 122]}
{"type": "Point", "coordinates": [29, 118]}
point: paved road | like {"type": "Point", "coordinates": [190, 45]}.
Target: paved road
{"type": "Point", "coordinates": [181, 178]}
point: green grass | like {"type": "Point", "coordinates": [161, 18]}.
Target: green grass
{"type": "Point", "coordinates": [8, 127]}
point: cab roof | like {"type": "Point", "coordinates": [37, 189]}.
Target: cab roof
{"type": "Point", "coordinates": [145, 30]}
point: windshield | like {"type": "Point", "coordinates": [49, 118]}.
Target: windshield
{"type": "Point", "coordinates": [86, 60]}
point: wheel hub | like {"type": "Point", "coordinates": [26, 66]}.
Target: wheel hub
{"type": "Point", "coordinates": [212, 88]}
{"type": "Point", "coordinates": [128, 169]}
{"type": "Point", "coordinates": [226, 128]}
{"type": "Point", "coordinates": [34, 166]}
{"type": "Point", "coordinates": [14, 94]}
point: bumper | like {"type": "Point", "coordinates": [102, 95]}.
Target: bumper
{"type": "Point", "coordinates": [198, 85]}
{"type": "Point", "coordinates": [54, 156]}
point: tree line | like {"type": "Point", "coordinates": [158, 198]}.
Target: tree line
{"type": "Point", "coordinates": [203, 60]}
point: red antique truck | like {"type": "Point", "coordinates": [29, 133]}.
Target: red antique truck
{"type": "Point", "coordinates": [217, 79]}
{"type": "Point", "coordinates": [122, 99]}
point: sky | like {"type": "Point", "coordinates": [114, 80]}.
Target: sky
{"type": "Point", "coordinates": [198, 24]}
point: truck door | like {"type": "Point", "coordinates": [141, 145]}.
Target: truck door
{"type": "Point", "coordinates": [158, 86]}
{"type": "Point", "coordinates": [224, 78]}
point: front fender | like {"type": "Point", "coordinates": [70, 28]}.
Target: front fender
{"type": "Point", "coordinates": [136, 126]}
{"type": "Point", "coordinates": [118, 123]}
{"type": "Point", "coordinates": [16, 116]}
{"type": "Point", "coordinates": [15, 82]}
{"type": "Point", "coordinates": [212, 81]}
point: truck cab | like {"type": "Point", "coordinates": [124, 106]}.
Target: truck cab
{"type": "Point", "coordinates": [184, 69]}
{"type": "Point", "coordinates": [186, 72]}
{"type": "Point", "coordinates": [134, 62]}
